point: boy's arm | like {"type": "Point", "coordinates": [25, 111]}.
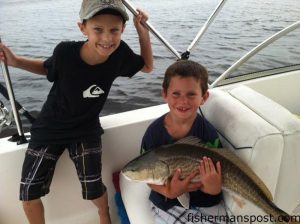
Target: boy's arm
{"type": "Point", "coordinates": [145, 43]}
{"type": "Point", "coordinates": [31, 65]}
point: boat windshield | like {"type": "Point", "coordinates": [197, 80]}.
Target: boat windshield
{"type": "Point", "coordinates": [282, 55]}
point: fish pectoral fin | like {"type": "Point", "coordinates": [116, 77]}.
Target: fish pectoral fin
{"type": "Point", "coordinates": [239, 201]}
{"type": "Point", "coordinates": [232, 197]}
{"type": "Point", "coordinates": [184, 200]}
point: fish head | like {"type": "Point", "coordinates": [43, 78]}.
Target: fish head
{"type": "Point", "coordinates": [147, 168]}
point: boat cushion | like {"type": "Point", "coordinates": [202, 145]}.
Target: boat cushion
{"type": "Point", "coordinates": [249, 135]}
{"type": "Point", "coordinates": [289, 127]}
{"type": "Point", "coordinates": [278, 116]}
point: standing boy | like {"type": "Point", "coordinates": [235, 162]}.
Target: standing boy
{"type": "Point", "coordinates": [185, 89]}
{"type": "Point", "coordinates": [82, 74]}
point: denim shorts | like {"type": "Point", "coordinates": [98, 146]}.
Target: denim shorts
{"type": "Point", "coordinates": [39, 164]}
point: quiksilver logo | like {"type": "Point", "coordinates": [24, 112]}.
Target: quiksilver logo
{"type": "Point", "coordinates": [92, 92]}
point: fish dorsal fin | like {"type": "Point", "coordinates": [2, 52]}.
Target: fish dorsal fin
{"type": "Point", "coordinates": [191, 140]}
{"type": "Point", "coordinates": [226, 153]}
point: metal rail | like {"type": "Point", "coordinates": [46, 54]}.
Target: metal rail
{"type": "Point", "coordinates": [251, 53]}
{"type": "Point", "coordinates": [205, 26]}
{"type": "Point", "coordinates": [133, 10]}
{"type": "Point", "coordinates": [21, 138]}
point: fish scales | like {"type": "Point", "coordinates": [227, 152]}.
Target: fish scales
{"type": "Point", "coordinates": [234, 179]}
{"type": "Point", "coordinates": [157, 166]}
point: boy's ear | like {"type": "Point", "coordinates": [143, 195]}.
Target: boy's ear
{"type": "Point", "coordinates": [82, 28]}
{"type": "Point", "coordinates": [123, 28]}
{"type": "Point", "coordinates": [205, 97]}
{"type": "Point", "coordinates": [163, 93]}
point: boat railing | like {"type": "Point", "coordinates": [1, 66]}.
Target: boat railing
{"type": "Point", "coordinates": [204, 27]}
{"type": "Point", "coordinates": [20, 138]}
{"type": "Point", "coordinates": [254, 51]}
{"type": "Point", "coordinates": [184, 55]}
{"type": "Point", "coordinates": [133, 10]}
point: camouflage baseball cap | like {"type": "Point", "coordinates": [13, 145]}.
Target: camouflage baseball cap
{"type": "Point", "coordinates": [90, 7]}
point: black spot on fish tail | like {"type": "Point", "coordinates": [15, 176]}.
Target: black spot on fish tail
{"type": "Point", "coordinates": [286, 218]}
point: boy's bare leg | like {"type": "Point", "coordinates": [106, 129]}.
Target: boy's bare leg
{"type": "Point", "coordinates": [34, 211]}
{"type": "Point", "coordinates": [103, 209]}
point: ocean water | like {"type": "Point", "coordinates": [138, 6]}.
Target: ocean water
{"type": "Point", "coordinates": [33, 28]}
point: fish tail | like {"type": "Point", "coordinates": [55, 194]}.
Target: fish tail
{"type": "Point", "coordinates": [277, 215]}
{"type": "Point", "coordinates": [290, 220]}
{"type": "Point", "coordinates": [283, 217]}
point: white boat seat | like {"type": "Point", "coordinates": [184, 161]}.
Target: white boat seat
{"type": "Point", "coordinates": [250, 136]}
{"type": "Point", "coordinates": [265, 135]}
{"type": "Point", "coordinates": [287, 189]}
{"type": "Point", "coordinates": [246, 133]}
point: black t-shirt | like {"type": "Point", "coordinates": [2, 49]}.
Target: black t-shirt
{"type": "Point", "coordinates": [71, 111]}
{"type": "Point", "coordinates": [157, 135]}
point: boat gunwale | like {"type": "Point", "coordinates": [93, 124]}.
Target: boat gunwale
{"type": "Point", "coordinates": [250, 54]}
{"type": "Point", "coordinates": [258, 74]}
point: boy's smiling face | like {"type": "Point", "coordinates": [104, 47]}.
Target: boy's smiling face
{"type": "Point", "coordinates": [184, 96]}
{"type": "Point", "coordinates": [104, 35]}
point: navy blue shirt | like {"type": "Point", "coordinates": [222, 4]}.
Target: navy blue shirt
{"type": "Point", "coordinates": [157, 135]}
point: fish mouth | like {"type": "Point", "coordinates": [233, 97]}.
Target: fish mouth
{"type": "Point", "coordinates": [130, 175]}
{"type": "Point", "coordinates": [125, 176]}
{"type": "Point", "coordinates": [133, 178]}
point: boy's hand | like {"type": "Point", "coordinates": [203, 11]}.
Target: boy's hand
{"type": "Point", "coordinates": [7, 56]}
{"type": "Point", "coordinates": [179, 186]}
{"type": "Point", "coordinates": [211, 178]}
{"type": "Point", "coordinates": [138, 20]}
